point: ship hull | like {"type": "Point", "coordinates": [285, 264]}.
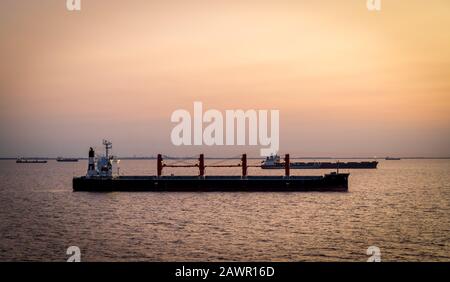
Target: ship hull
{"type": "Point", "coordinates": [326, 183]}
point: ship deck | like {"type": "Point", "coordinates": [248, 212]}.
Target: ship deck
{"type": "Point", "coordinates": [217, 177]}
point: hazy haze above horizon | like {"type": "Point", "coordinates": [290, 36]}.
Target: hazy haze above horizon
{"type": "Point", "coordinates": [347, 82]}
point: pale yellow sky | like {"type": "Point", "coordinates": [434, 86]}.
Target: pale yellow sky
{"type": "Point", "coordinates": [347, 82]}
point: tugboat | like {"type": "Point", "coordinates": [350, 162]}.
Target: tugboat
{"type": "Point", "coordinates": [274, 162]}
{"type": "Point", "coordinates": [100, 178]}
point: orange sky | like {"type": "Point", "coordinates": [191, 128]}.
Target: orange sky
{"type": "Point", "coordinates": [347, 82]}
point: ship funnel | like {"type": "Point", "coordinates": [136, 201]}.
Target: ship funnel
{"type": "Point", "coordinates": [91, 163]}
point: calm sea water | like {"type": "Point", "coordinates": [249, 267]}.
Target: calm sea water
{"type": "Point", "coordinates": [403, 208]}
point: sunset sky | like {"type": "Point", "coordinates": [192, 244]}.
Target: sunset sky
{"type": "Point", "coordinates": [347, 82]}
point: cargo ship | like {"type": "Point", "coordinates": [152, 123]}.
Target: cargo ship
{"type": "Point", "coordinates": [30, 161]}
{"type": "Point", "coordinates": [100, 178]}
{"type": "Point", "coordinates": [61, 159]}
{"type": "Point", "coordinates": [274, 162]}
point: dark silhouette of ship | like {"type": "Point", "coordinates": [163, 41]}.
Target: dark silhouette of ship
{"type": "Point", "coordinates": [30, 161]}
{"type": "Point", "coordinates": [392, 159]}
{"type": "Point", "coordinates": [61, 159]}
{"type": "Point", "coordinates": [274, 162]}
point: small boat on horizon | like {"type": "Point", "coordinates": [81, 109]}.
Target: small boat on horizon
{"type": "Point", "coordinates": [392, 159]}
{"type": "Point", "coordinates": [61, 159]}
{"type": "Point", "coordinates": [30, 161]}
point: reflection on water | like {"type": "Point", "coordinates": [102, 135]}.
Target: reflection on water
{"type": "Point", "coordinates": [403, 208]}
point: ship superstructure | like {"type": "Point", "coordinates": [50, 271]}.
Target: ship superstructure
{"type": "Point", "coordinates": [101, 166]}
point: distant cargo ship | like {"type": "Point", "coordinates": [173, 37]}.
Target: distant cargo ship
{"type": "Point", "coordinates": [30, 161]}
{"type": "Point", "coordinates": [273, 162]}
{"type": "Point", "coordinates": [392, 159]}
{"type": "Point", "coordinates": [61, 159]}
